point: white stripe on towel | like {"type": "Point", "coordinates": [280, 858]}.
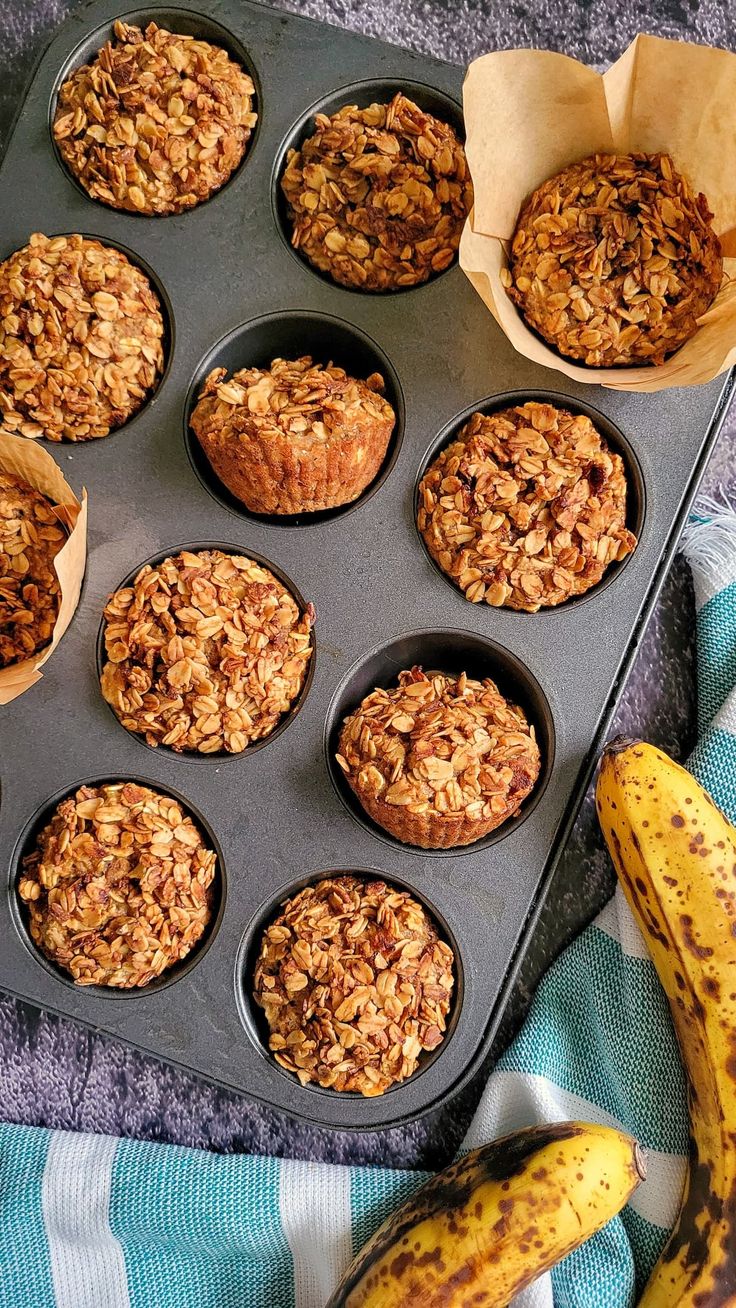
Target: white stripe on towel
{"type": "Point", "coordinates": [725, 718]}
{"type": "Point", "coordinates": [616, 922]}
{"type": "Point", "coordinates": [520, 1099]}
{"type": "Point", "coordinates": [314, 1200]}
{"type": "Point", "coordinates": [87, 1263]}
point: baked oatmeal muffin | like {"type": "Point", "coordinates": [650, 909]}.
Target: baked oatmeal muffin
{"type": "Point", "coordinates": [525, 508]}
{"type": "Point", "coordinates": [293, 438]}
{"type": "Point", "coordinates": [119, 886]}
{"type": "Point", "coordinates": [614, 260]}
{"type": "Point", "coordinates": [81, 339]}
{"type": "Point", "coordinates": [378, 196]}
{"type": "Point", "coordinates": [31, 536]}
{"type": "Point", "coordinates": [438, 760]}
{"type": "Point", "coordinates": [204, 652]}
{"type": "Point", "coordinates": [355, 984]}
{"type": "Point", "coordinates": [157, 121]}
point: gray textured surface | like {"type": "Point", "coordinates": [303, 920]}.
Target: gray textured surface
{"type": "Point", "coordinates": [52, 1073]}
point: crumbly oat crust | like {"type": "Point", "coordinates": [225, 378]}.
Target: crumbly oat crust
{"type": "Point", "coordinates": [378, 196]}
{"type": "Point", "coordinates": [526, 507]}
{"type": "Point", "coordinates": [30, 538]}
{"type": "Point", "coordinates": [295, 437]}
{"type": "Point", "coordinates": [355, 984]}
{"type": "Point", "coordinates": [156, 122]}
{"type": "Point", "coordinates": [119, 886]}
{"type": "Point", "coordinates": [205, 652]}
{"type": "Point", "coordinates": [81, 339]}
{"type": "Point", "coordinates": [439, 760]}
{"type": "Point", "coordinates": [614, 260]}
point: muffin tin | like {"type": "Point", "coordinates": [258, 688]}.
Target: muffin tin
{"type": "Point", "coordinates": [279, 816]}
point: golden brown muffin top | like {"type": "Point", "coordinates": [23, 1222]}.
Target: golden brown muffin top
{"type": "Point", "coordinates": [156, 122]}
{"type": "Point", "coordinates": [31, 536]}
{"type": "Point", "coordinates": [526, 507]}
{"type": "Point", "coordinates": [118, 887]}
{"type": "Point", "coordinates": [378, 196]}
{"type": "Point", "coordinates": [355, 984]}
{"type": "Point", "coordinates": [614, 259]}
{"type": "Point", "coordinates": [443, 744]}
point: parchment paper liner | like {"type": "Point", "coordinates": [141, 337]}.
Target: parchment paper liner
{"type": "Point", "coordinates": [530, 113]}
{"type": "Point", "coordinates": [30, 461]}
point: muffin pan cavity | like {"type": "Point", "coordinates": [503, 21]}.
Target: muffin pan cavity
{"type": "Point", "coordinates": [636, 498]}
{"type": "Point", "coordinates": [252, 1015]}
{"type": "Point", "coordinates": [442, 651]}
{"type": "Point", "coordinates": [291, 335]}
{"type": "Point", "coordinates": [287, 718]}
{"type": "Point", "coordinates": [362, 94]}
{"type": "Point", "coordinates": [186, 22]}
{"type": "Point", "coordinates": [240, 300]}
{"type": "Point", "coordinates": [26, 844]}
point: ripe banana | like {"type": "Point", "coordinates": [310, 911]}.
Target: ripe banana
{"type": "Point", "coordinates": [484, 1228]}
{"type": "Point", "coordinates": [675, 855]}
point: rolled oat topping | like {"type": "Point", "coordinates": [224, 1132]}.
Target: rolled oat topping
{"type": "Point", "coordinates": [205, 652]}
{"type": "Point", "coordinates": [439, 760]}
{"type": "Point", "coordinates": [119, 886]}
{"type": "Point", "coordinates": [81, 337]}
{"type": "Point", "coordinates": [30, 594]}
{"type": "Point", "coordinates": [156, 122]}
{"type": "Point", "coordinates": [378, 196]}
{"type": "Point", "coordinates": [355, 984]}
{"type": "Point", "coordinates": [614, 260]}
{"type": "Point", "coordinates": [526, 508]}
{"type": "Point", "coordinates": [295, 437]}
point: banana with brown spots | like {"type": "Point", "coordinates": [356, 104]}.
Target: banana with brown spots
{"type": "Point", "coordinates": [480, 1231]}
{"type": "Point", "coordinates": [675, 855]}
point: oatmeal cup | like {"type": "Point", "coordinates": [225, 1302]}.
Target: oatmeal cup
{"type": "Point", "coordinates": [157, 122]}
{"type": "Point", "coordinates": [295, 437]}
{"type": "Point", "coordinates": [119, 886]}
{"type": "Point", "coordinates": [81, 339]}
{"type": "Point", "coordinates": [205, 652]}
{"type": "Point", "coordinates": [526, 508]}
{"type": "Point", "coordinates": [31, 536]}
{"type": "Point", "coordinates": [439, 760]}
{"type": "Point", "coordinates": [614, 260]}
{"type": "Point", "coordinates": [377, 196]}
{"type": "Point", "coordinates": [355, 983]}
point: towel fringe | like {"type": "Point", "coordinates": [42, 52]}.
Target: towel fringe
{"type": "Point", "coordinates": [709, 540]}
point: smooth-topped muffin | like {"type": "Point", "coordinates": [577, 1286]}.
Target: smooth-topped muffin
{"type": "Point", "coordinates": [156, 122]}
{"type": "Point", "coordinates": [526, 508]}
{"type": "Point", "coordinates": [355, 984]}
{"type": "Point", "coordinates": [377, 197]}
{"type": "Point", "coordinates": [295, 437]}
{"type": "Point", "coordinates": [614, 260]}
{"type": "Point", "coordinates": [438, 760]}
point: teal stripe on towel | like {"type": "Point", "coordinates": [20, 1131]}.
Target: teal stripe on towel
{"type": "Point", "coordinates": [25, 1271]}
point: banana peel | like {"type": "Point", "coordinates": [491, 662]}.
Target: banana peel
{"type": "Point", "coordinates": [491, 1223]}
{"type": "Point", "coordinates": [675, 855]}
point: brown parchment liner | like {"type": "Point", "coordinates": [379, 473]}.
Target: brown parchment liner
{"type": "Point", "coordinates": [530, 113]}
{"type": "Point", "coordinates": [35, 465]}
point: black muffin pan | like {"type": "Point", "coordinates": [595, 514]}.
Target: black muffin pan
{"type": "Point", "coordinates": [280, 815]}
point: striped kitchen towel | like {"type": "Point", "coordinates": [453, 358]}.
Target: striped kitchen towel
{"type": "Point", "coordinates": [94, 1222]}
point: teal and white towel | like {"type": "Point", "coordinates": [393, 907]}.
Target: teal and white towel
{"type": "Point", "coordinates": [95, 1222]}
